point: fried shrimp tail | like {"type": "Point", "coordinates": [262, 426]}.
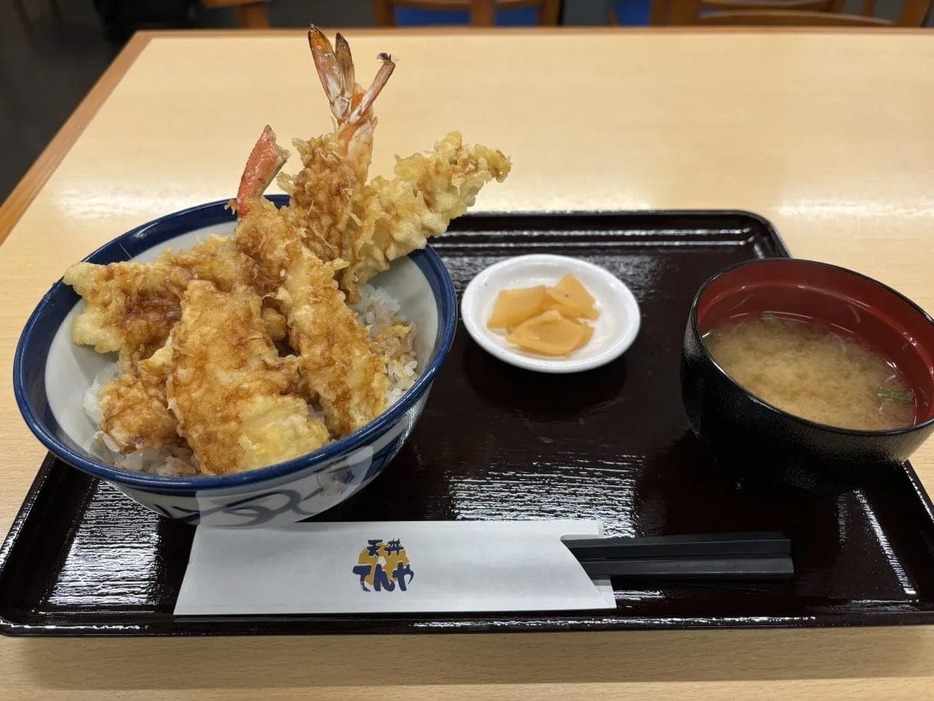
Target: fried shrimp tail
{"type": "Point", "coordinates": [265, 160]}
{"type": "Point", "coordinates": [350, 104]}
{"type": "Point", "coordinates": [335, 165]}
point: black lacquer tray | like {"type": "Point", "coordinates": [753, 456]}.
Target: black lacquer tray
{"type": "Point", "coordinates": [497, 442]}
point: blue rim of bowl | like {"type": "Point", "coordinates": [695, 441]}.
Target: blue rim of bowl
{"type": "Point", "coordinates": [210, 214]}
{"type": "Point", "coordinates": [856, 432]}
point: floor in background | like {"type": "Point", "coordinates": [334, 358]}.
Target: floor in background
{"type": "Point", "coordinates": [45, 70]}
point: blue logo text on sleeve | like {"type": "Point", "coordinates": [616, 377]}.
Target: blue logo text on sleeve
{"type": "Point", "coordinates": [384, 566]}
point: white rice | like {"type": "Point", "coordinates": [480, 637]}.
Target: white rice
{"type": "Point", "coordinates": [91, 404]}
{"type": "Point", "coordinates": [377, 311]}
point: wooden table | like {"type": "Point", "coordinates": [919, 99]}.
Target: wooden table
{"type": "Point", "coordinates": [830, 135]}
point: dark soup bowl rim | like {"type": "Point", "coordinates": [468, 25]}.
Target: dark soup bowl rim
{"type": "Point", "coordinates": [780, 413]}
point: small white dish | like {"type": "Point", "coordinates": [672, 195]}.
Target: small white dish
{"type": "Point", "coordinates": [614, 330]}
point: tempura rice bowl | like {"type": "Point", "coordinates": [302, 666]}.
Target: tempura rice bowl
{"type": "Point", "coordinates": [52, 377]}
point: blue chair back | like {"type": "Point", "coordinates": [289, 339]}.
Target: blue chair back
{"type": "Point", "coordinates": [633, 12]}
{"type": "Point", "coordinates": [414, 17]}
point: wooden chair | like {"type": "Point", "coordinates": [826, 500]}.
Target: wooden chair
{"type": "Point", "coordinates": [251, 14]}
{"type": "Point", "coordinates": [690, 11]}
{"type": "Point", "coordinates": [781, 18]}
{"type": "Point", "coordinates": [784, 12]}
{"type": "Point", "coordinates": [482, 12]}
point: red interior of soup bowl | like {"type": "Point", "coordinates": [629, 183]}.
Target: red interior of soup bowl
{"type": "Point", "coordinates": [881, 318]}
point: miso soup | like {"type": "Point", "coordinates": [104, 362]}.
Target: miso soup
{"type": "Point", "coordinates": [813, 372]}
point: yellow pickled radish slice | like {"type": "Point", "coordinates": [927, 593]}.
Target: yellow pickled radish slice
{"type": "Point", "coordinates": [571, 312]}
{"type": "Point", "coordinates": [515, 306]}
{"type": "Point", "coordinates": [548, 333]}
{"type": "Point", "coordinates": [588, 334]}
{"type": "Point", "coordinates": [571, 299]}
{"type": "Point", "coordinates": [572, 292]}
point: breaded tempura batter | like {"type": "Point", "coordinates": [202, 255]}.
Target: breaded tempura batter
{"type": "Point", "coordinates": [398, 216]}
{"type": "Point", "coordinates": [234, 397]}
{"type": "Point", "coordinates": [340, 365]}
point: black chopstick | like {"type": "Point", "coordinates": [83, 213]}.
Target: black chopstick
{"type": "Point", "coordinates": [758, 555]}
{"type": "Point", "coordinates": [749, 544]}
{"type": "Point", "coordinates": [701, 569]}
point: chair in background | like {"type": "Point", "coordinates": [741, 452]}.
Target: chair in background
{"type": "Point", "coordinates": [784, 12]}
{"type": "Point", "coordinates": [690, 11]}
{"type": "Point", "coordinates": [251, 14]}
{"type": "Point", "coordinates": [477, 13]}
{"type": "Point", "coordinates": [633, 12]}
{"type": "Point", "coordinates": [783, 18]}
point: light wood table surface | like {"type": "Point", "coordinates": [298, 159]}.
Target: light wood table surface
{"type": "Point", "coordinates": [828, 134]}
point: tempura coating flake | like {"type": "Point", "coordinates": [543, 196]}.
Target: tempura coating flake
{"type": "Point", "coordinates": [322, 194]}
{"type": "Point", "coordinates": [135, 409]}
{"type": "Point", "coordinates": [235, 398]}
{"type": "Point", "coordinates": [131, 307]}
{"type": "Point", "coordinates": [428, 191]}
{"type": "Point", "coordinates": [341, 367]}
{"type": "Point", "coordinates": [338, 361]}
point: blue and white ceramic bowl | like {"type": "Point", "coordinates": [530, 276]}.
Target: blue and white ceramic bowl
{"type": "Point", "coordinates": [51, 375]}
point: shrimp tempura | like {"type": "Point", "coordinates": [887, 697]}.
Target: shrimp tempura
{"type": "Point", "coordinates": [428, 191]}
{"type": "Point", "coordinates": [131, 307]}
{"type": "Point", "coordinates": [134, 409]}
{"type": "Point", "coordinates": [340, 365]}
{"type": "Point", "coordinates": [234, 397]}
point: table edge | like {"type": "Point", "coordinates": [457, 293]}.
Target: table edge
{"type": "Point", "coordinates": [536, 30]}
